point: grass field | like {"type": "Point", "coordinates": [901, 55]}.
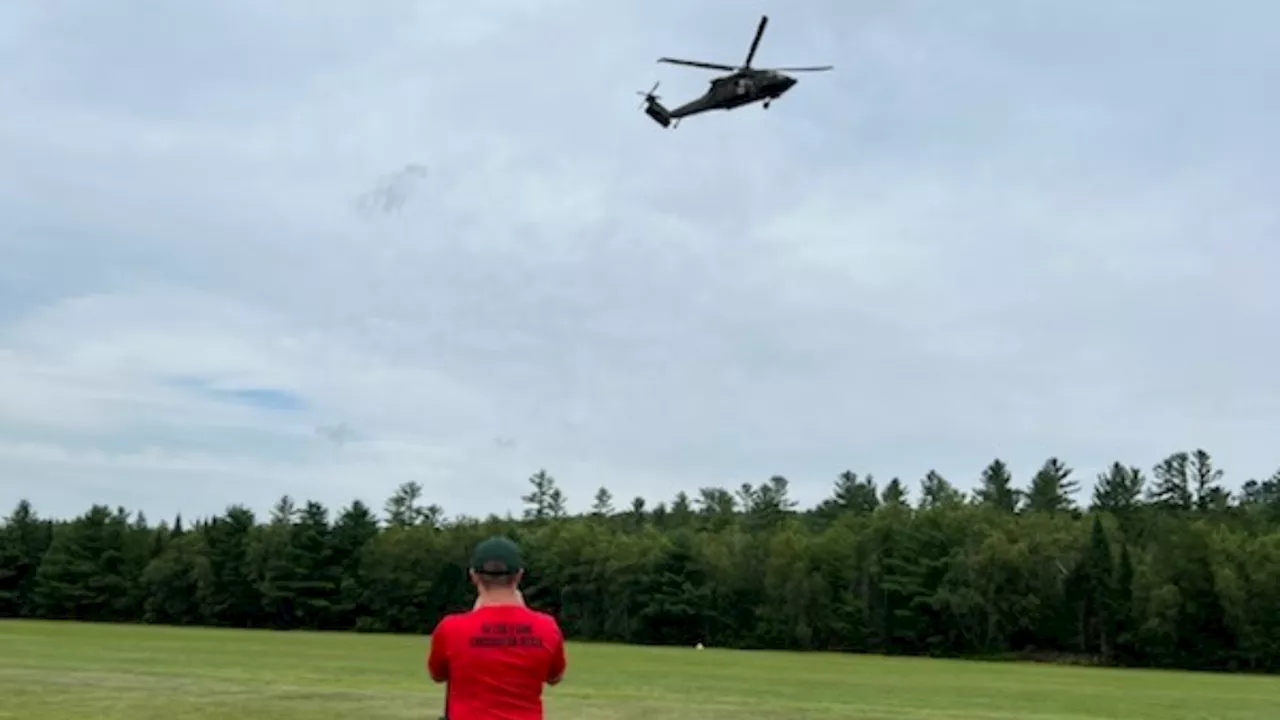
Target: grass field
{"type": "Point", "coordinates": [105, 672]}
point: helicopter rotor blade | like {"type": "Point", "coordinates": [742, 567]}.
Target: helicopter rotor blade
{"type": "Point", "coordinates": [695, 63]}
{"type": "Point", "coordinates": [764, 20]}
{"type": "Point", "coordinates": [812, 68]}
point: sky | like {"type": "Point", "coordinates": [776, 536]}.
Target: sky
{"type": "Point", "coordinates": [322, 248]}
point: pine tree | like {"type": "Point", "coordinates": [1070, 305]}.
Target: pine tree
{"type": "Point", "coordinates": [231, 543]}
{"type": "Point", "coordinates": [681, 510]}
{"type": "Point", "coordinates": [557, 504]}
{"type": "Point", "coordinates": [638, 515]}
{"type": "Point", "coordinates": [996, 489]}
{"type": "Point", "coordinates": [1123, 624]}
{"type": "Point", "coordinates": [1209, 493]}
{"type": "Point", "coordinates": [936, 491]}
{"type": "Point", "coordinates": [603, 504]}
{"type": "Point", "coordinates": [1172, 490]}
{"type": "Point", "coordinates": [1052, 488]}
{"type": "Point", "coordinates": [1119, 490]}
{"type": "Point", "coordinates": [895, 495]}
{"type": "Point", "coordinates": [851, 494]}
{"type": "Point", "coordinates": [540, 502]}
{"type": "Point", "coordinates": [771, 501]}
{"type": "Point", "coordinates": [81, 577]}
{"type": "Point", "coordinates": [354, 530]}
{"type": "Point", "coordinates": [404, 508]}
{"type": "Point", "coordinates": [317, 576]}
{"type": "Point", "coordinates": [24, 538]}
{"type": "Point", "coordinates": [1100, 589]}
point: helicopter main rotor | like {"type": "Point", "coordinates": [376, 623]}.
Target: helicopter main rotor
{"type": "Point", "coordinates": [755, 43]}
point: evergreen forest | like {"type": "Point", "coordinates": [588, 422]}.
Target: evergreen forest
{"type": "Point", "coordinates": [1155, 567]}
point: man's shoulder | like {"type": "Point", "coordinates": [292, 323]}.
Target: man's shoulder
{"type": "Point", "coordinates": [534, 612]}
{"type": "Point", "coordinates": [546, 620]}
{"type": "Point", "coordinates": [547, 617]}
{"type": "Point", "coordinates": [449, 619]}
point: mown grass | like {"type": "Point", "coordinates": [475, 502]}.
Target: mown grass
{"type": "Point", "coordinates": [105, 672]}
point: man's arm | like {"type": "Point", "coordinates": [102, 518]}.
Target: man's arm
{"type": "Point", "coordinates": [438, 659]}
{"type": "Point", "coordinates": [558, 662]}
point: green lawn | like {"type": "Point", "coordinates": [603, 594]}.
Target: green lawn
{"type": "Point", "coordinates": [68, 670]}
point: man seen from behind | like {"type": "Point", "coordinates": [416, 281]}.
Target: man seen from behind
{"type": "Point", "coordinates": [495, 659]}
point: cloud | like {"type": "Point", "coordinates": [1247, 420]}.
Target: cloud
{"type": "Point", "coordinates": [267, 398]}
{"type": "Point", "coordinates": [392, 190]}
{"type": "Point", "coordinates": [1012, 231]}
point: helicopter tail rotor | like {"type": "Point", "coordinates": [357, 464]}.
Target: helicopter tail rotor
{"type": "Point", "coordinates": [649, 97]}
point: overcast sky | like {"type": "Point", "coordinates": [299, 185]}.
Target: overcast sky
{"type": "Point", "coordinates": [322, 247]}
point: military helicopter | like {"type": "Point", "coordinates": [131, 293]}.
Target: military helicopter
{"type": "Point", "coordinates": [742, 86]}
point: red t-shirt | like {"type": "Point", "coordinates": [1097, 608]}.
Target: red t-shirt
{"type": "Point", "coordinates": [495, 660]}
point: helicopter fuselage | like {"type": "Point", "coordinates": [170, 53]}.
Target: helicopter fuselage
{"type": "Point", "coordinates": [741, 88]}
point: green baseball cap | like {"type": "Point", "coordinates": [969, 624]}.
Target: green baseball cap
{"type": "Point", "coordinates": [497, 556]}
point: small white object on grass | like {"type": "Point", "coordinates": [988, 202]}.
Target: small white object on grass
{"type": "Point", "coordinates": [698, 646]}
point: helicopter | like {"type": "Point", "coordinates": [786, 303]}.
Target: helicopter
{"type": "Point", "coordinates": [743, 85]}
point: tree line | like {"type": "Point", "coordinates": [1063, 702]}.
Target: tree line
{"type": "Point", "coordinates": [1158, 568]}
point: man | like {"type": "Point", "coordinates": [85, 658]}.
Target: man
{"type": "Point", "coordinates": [496, 657]}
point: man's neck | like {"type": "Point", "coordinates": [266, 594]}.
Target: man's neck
{"type": "Point", "coordinates": [500, 597]}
